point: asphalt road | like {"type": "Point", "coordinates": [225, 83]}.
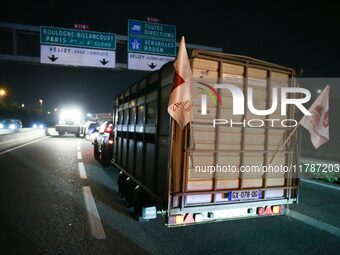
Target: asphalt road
{"type": "Point", "coordinates": [43, 211]}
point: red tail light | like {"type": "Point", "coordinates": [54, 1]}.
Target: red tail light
{"type": "Point", "coordinates": [109, 129]}
{"type": "Point", "coordinates": [277, 209]}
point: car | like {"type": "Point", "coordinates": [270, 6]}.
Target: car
{"type": "Point", "coordinates": [103, 143]}
{"type": "Point", "coordinates": [38, 124]}
{"type": "Point", "coordinates": [89, 128]}
{"type": "Point", "coordinates": [13, 124]}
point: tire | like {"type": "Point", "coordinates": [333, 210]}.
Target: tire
{"type": "Point", "coordinates": [78, 134]}
{"type": "Point", "coordinates": [61, 133]}
{"type": "Point", "coordinates": [121, 183]}
{"type": "Point", "coordinates": [96, 153]}
{"type": "Point", "coordinates": [138, 203]}
{"type": "Point", "coordinates": [129, 187]}
{"type": "Point", "coordinates": [103, 158]}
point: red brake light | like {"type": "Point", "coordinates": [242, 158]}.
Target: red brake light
{"type": "Point", "coordinates": [109, 129]}
{"type": "Point", "coordinates": [270, 210]}
{"type": "Point", "coordinates": [264, 210]}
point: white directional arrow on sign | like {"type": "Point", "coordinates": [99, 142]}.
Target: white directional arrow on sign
{"type": "Point", "coordinates": [60, 55]}
{"type": "Point", "coordinates": [147, 62]}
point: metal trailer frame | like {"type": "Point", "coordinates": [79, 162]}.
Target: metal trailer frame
{"type": "Point", "coordinates": [144, 132]}
{"type": "Point", "coordinates": [291, 187]}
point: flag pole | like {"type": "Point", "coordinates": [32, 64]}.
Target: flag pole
{"type": "Point", "coordinates": [285, 142]}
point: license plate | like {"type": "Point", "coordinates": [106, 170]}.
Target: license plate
{"type": "Point", "coordinates": [245, 195]}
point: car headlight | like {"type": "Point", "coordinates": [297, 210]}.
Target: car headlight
{"type": "Point", "coordinates": [1, 125]}
{"type": "Point", "coordinates": [74, 115]}
{"type": "Point", "coordinates": [12, 126]}
{"type": "Point", "coordinates": [35, 126]}
{"type": "Point", "coordinates": [41, 126]}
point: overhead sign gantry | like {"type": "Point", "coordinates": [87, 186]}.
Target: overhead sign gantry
{"type": "Point", "coordinates": [18, 34]}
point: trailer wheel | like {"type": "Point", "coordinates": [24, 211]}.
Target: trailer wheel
{"type": "Point", "coordinates": [121, 183]}
{"type": "Point", "coordinates": [138, 202]}
{"type": "Point", "coordinates": [129, 187]}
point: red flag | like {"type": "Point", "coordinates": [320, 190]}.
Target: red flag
{"type": "Point", "coordinates": [318, 123]}
{"type": "Point", "coordinates": [179, 106]}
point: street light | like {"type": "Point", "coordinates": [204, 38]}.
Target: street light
{"type": "Point", "coordinates": [41, 102]}
{"type": "Point", "coordinates": [22, 105]}
{"type": "Point", "coordinates": [2, 94]}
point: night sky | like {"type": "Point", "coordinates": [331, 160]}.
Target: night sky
{"type": "Point", "coordinates": [300, 35]}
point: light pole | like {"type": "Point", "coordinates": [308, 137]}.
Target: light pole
{"type": "Point", "coordinates": [2, 94]}
{"type": "Point", "coordinates": [41, 102]}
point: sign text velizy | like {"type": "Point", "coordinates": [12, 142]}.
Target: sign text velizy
{"type": "Point", "coordinates": [61, 55]}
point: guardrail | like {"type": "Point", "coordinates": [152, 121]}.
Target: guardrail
{"type": "Point", "coordinates": [9, 139]}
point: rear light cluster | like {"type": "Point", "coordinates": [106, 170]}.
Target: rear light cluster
{"type": "Point", "coordinates": [111, 139]}
{"type": "Point", "coordinates": [270, 210]}
{"type": "Point", "coordinates": [109, 129]}
{"type": "Point", "coordinates": [206, 216]}
{"type": "Point", "coordinates": [185, 219]}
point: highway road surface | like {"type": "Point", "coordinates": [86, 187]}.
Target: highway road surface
{"type": "Point", "coordinates": [56, 199]}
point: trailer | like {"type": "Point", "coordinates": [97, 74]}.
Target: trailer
{"type": "Point", "coordinates": [158, 161]}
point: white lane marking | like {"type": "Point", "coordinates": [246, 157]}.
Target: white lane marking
{"type": "Point", "coordinates": [22, 145]}
{"type": "Point", "coordinates": [97, 229]}
{"type": "Point", "coordinates": [315, 223]}
{"type": "Point", "coordinates": [82, 171]}
{"type": "Point", "coordinates": [319, 183]}
{"type": "Point", "coordinates": [79, 155]}
{"type": "Point", "coordinates": [78, 148]}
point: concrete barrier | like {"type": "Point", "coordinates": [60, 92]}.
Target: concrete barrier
{"type": "Point", "coordinates": [6, 131]}
{"type": "Point", "coordinates": [23, 135]}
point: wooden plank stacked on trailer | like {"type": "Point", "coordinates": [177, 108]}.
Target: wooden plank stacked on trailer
{"type": "Point", "coordinates": [277, 136]}
{"type": "Point", "coordinates": [230, 149]}
{"type": "Point", "coordinates": [255, 137]}
{"type": "Point", "coordinates": [202, 134]}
